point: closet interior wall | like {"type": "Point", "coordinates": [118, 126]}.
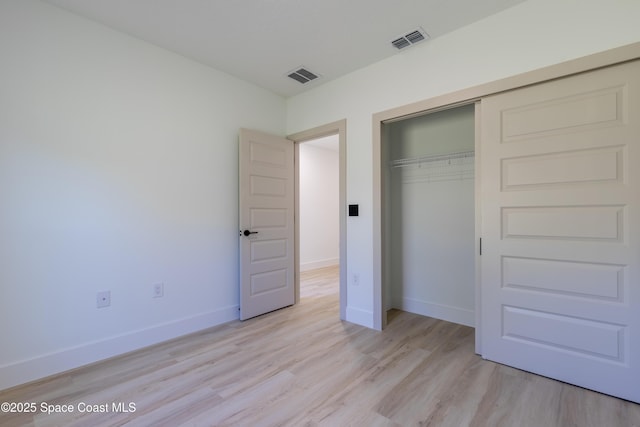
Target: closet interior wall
{"type": "Point", "coordinates": [430, 214]}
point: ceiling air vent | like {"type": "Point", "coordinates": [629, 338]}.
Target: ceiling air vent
{"type": "Point", "coordinates": [302, 75]}
{"type": "Point", "coordinates": [410, 39]}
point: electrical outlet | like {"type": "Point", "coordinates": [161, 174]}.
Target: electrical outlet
{"type": "Point", "coordinates": [356, 280]}
{"type": "Point", "coordinates": [103, 299]}
{"type": "Point", "coordinates": [158, 290]}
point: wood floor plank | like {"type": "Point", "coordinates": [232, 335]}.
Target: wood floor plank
{"type": "Point", "coordinates": [302, 366]}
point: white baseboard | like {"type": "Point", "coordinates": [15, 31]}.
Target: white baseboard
{"type": "Point", "coordinates": [439, 311]}
{"type": "Point", "coordinates": [360, 317]}
{"type": "Point", "coordinates": [312, 265]}
{"type": "Point", "coordinates": [70, 358]}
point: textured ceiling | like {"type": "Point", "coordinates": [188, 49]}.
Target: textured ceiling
{"type": "Point", "coordinates": [260, 41]}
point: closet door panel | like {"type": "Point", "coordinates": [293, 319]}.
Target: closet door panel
{"type": "Point", "coordinates": [560, 191]}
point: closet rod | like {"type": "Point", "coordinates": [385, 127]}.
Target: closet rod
{"type": "Point", "coordinates": [430, 159]}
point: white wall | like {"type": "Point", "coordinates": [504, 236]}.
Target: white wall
{"type": "Point", "coordinates": [319, 206]}
{"type": "Point", "coordinates": [118, 170]}
{"type": "Point", "coordinates": [531, 35]}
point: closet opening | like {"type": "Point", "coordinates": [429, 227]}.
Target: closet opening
{"type": "Point", "coordinates": [429, 239]}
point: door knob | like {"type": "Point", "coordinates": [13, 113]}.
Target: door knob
{"type": "Point", "coordinates": [247, 232]}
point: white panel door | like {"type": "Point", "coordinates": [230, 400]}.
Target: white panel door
{"type": "Point", "coordinates": [560, 192]}
{"type": "Point", "coordinates": [266, 186]}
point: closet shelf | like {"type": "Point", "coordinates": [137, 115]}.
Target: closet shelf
{"type": "Point", "coordinates": [444, 158]}
{"type": "Point", "coordinates": [441, 167]}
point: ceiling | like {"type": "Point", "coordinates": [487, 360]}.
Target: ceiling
{"type": "Point", "coordinates": [261, 41]}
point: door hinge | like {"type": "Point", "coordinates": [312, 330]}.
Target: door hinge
{"type": "Point", "coordinates": [481, 246]}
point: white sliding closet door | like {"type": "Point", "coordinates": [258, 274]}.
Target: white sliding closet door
{"type": "Point", "coordinates": [560, 195]}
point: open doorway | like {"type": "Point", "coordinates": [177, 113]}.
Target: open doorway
{"type": "Point", "coordinates": [319, 216]}
{"type": "Point", "coordinates": [429, 214]}
{"type": "Point", "coordinates": [426, 232]}
{"type": "Point", "coordinates": [276, 177]}
{"type": "Point", "coordinates": [339, 130]}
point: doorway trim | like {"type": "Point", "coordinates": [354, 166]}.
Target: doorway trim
{"type": "Point", "coordinates": [340, 128]}
{"type": "Point", "coordinates": [465, 96]}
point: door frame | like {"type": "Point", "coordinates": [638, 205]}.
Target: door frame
{"type": "Point", "coordinates": [465, 96]}
{"type": "Point", "coordinates": [335, 128]}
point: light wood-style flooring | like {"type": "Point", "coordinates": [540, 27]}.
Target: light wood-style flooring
{"type": "Point", "coordinates": [302, 366]}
